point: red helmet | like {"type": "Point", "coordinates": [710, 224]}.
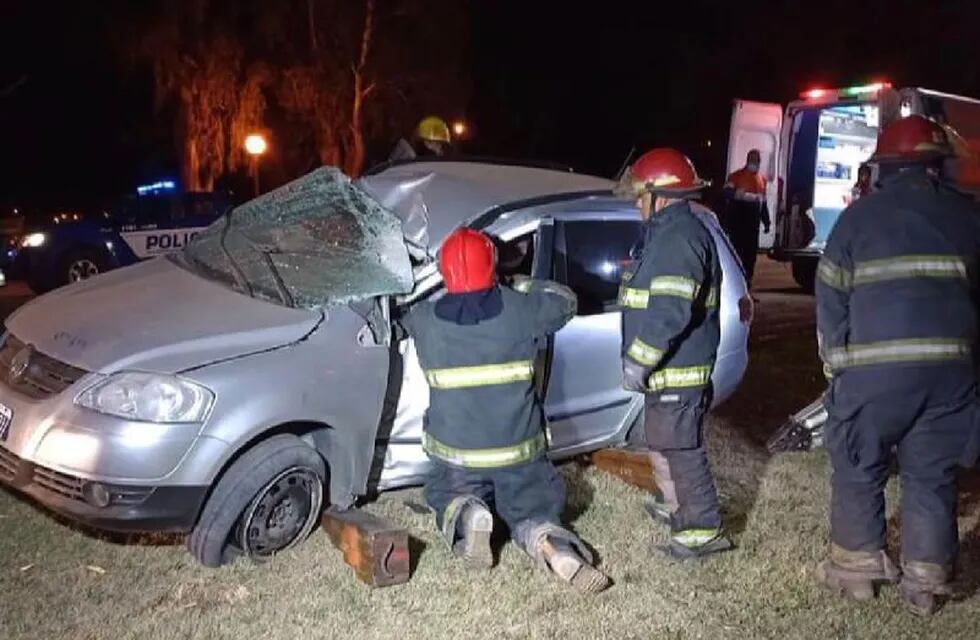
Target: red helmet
{"type": "Point", "coordinates": [662, 171]}
{"type": "Point", "coordinates": [913, 139]}
{"type": "Point", "coordinates": [468, 261]}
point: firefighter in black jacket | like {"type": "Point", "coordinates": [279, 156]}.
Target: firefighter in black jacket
{"type": "Point", "coordinates": [670, 338]}
{"type": "Point", "coordinates": [484, 427]}
{"type": "Point", "coordinates": [897, 323]}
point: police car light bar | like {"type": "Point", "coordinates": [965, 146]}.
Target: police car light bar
{"type": "Point", "coordinates": [156, 187]}
{"type": "Point", "coordinates": [846, 92]}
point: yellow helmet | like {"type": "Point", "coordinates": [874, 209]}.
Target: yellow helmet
{"type": "Point", "coordinates": [434, 129]}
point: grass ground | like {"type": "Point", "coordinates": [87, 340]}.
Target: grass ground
{"type": "Point", "coordinates": [57, 582]}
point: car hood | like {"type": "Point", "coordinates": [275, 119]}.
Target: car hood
{"type": "Point", "coordinates": [154, 316]}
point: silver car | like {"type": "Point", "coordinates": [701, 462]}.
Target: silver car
{"type": "Point", "coordinates": [234, 389]}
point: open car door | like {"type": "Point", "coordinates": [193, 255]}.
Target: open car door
{"type": "Point", "coordinates": [757, 125]}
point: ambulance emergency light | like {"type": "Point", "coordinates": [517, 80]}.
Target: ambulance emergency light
{"type": "Point", "coordinates": [156, 187]}
{"type": "Point", "coordinates": [846, 93]}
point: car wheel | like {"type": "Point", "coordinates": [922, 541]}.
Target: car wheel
{"type": "Point", "coordinates": [805, 273]}
{"type": "Point", "coordinates": [267, 501]}
{"type": "Point", "coordinates": [81, 264]}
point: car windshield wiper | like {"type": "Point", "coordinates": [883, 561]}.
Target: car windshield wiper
{"type": "Point", "coordinates": [237, 272]}
{"type": "Point", "coordinates": [287, 298]}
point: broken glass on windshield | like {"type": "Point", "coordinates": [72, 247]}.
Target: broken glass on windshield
{"type": "Point", "coordinates": [319, 240]}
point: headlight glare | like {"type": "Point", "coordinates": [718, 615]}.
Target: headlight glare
{"type": "Point", "coordinates": [148, 397]}
{"type": "Point", "coordinates": [34, 240]}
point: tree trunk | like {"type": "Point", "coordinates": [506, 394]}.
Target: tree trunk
{"type": "Point", "coordinates": [355, 156]}
{"type": "Point", "coordinates": [311, 23]}
{"type": "Point", "coordinates": [190, 166]}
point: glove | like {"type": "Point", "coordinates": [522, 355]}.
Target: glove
{"type": "Point", "coordinates": [635, 377]}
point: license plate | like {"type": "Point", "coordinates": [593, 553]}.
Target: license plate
{"type": "Point", "coordinates": [6, 417]}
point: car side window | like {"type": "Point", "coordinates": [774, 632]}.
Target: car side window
{"type": "Point", "coordinates": [591, 259]}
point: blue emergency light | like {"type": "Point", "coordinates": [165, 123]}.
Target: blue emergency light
{"type": "Point", "coordinates": [156, 187]}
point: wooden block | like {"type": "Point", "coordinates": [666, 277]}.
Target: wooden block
{"type": "Point", "coordinates": [377, 551]}
{"type": "Point", "coordinates": [632, 466]}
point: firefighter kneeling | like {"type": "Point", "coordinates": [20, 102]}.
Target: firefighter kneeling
{"type": "Point", "coordinates": [670, 338]}
{"type": "Point", "coordinates": [484, 427]}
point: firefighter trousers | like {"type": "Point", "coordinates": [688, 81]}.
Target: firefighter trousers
{"type": "Point", "coordinates": [522, 495]}
{"type": "Point", "coordinates": [929, 439]}
{"type": "Point", "coordinates": [674, 422]}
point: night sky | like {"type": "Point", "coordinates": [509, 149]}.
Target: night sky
{"type": "Point", "coordinates": [578, 83]}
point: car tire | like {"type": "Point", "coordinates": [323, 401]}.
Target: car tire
{"type": "Point", "coordinates": [805, 273]}
{"type": "Point", "coordinates": [81, 264]}
{"type": "Point", "coordinates": [222, 531]}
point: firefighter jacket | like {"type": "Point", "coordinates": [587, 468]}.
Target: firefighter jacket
{"type": "Point", "coordinates": [670, 301]}
{"type": "Point", "coordinates": [896, 286]}
{"type": "Point", "coordinates": [483, 410]}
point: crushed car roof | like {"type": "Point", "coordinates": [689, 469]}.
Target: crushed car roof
{"type": "Point", "coordinates": [433, 198]}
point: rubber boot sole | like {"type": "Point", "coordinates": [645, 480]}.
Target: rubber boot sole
{"type": "Point", "coordinates": [475, 548]}
{"type": "Point", "coordinates": [678, 551]}
{"type": "Point", "coordinates": [570, 568]}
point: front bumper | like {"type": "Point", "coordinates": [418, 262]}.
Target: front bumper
{"type": "Point", "coordinates": [103, 471]}
{"type": "Point", "coordinates": [131, 508]}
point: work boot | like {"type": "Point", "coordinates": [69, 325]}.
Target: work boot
{"type": "Point", "coordinates": [467, 525]}
{"type": "Point", "coordinates": [857, 574]}
{"type": "Point", "coordinates": [924, 587]}
{"type": "Point", "coordinates": [562, 554]}
{"type": "Point", "coordinates": [690, 544]}
{"type": "Point", "coordinates": [475, 527]}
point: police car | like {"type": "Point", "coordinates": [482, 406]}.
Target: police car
{"type": "Point", "coordinates": [67, 247]}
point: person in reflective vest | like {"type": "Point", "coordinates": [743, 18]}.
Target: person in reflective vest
{"type": "Point", "coordinates": [897, 329]}
{"type": "Point", "coordinates": [670, 338]}
{"type": "Point", "coordinates": [745, 192]}
{"type": "Point", "coordinates": [484, 429]}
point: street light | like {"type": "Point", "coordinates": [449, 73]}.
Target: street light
{"type": "Point", "coordinates": [256, 146]}
{"type": "Point", "coordinates": [460, 128]}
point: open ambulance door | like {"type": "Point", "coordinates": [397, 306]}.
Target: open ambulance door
{"type": "Point", "coordinates": [757, 125]}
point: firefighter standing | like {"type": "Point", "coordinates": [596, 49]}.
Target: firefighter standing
{"type": "Point", "coordinates": [897, 322]}
{"type": "Point", "coordinates": [670, 338]}
{"type": "Point", "coordinates": [745, 192]}
{"type": "Point", "coordinates": [484, 427]}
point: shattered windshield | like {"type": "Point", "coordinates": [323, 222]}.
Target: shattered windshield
{"type": "Point", "coordinates": [316, 241]}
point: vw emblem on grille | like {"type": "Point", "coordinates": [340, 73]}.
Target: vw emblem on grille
{"type": "Point", "coordinates": [20, 364]}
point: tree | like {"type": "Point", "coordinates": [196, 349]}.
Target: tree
{"type": "Point", "coordinates": [358, 75]}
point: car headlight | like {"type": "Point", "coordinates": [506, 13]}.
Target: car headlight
{"type": "Point", "coordinates": [34, 240]}
{"type": "Point", "coordinates": [148, 397]}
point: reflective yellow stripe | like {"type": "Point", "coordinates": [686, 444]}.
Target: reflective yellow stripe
{"type": "Point", "coordinates": [674, 286]}
{"type": "Point", "coordinates": [634, 298]}
{"type": "Point", "coordinates": [694, 538]}
{"type": "Point", "coordinates": [916, 266]}
{"type": "Point", "coordinates": [833, 276]}
{"type": "Point", "coordinates": [916, 350]}
{"type": "Point", "coordinates": [712, 300]}
{"type": "Point", "coordinates": [644, 353]}
{"type": "Point", "coordinates": [480, 376]}
{"type": "Point", "coordinates": [680, 378]}
{"type": "Point", "coordinates": [486, 458]}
